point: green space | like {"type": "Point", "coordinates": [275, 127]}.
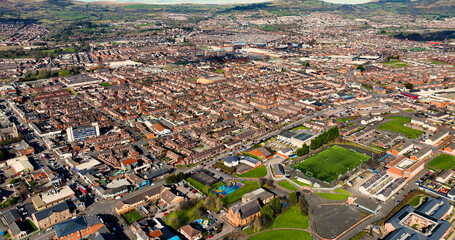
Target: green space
{"type": "Point", "coordinates": [344, 119]}
{"type": "Point", "coordinates": [251, 155]}
{"type": "Point", "coordinates": [299, 128]}
{"type": "Point", "coordinates": [301, 183]}
{"type": "Point", "coordinates": [72, 91]}
{"type": "Point", "coordinates": [416, 201]}
{"type": "Point", "coordinates": [201, 187]}
{"type": "Point", "coordinates": [292, 218]}
{"type": "Point", "coordinates": [286, 184]}
{"type": "Point", "coordinates": [401, 119]}
{"type": "Point", "coordinates": [35, 228]}
{"type": "Point", "coordinates": [237, 194]}
{"type": "Point", "coordinates": [255, 173]}
{"type": "Point", "coordinates": [395, 64]}
{"type": "Point", "coordinates": [328, 164]}
{"type": "Point", "coordinates": [340, 190]}
{"type": "Point", "coordinates": [409, 110]}
{"type": "Point", "coordinates": [438, 62]}
{"type": "Point", "coordinates": [282, 235]}
{"type": "Point", "coordinates": [132, 216]}
{"type": "Point", "coordinates": [377, 148]}
{"type": "Point", "coordinates": [105, 84]}
{"type": "Point", "coordinates": [184, 216]}
{"type": "Point", "coordinates": [398, 127]}
{"type": "Point", "coordinates": [333, 196]}
{"type": "Point", "coordinates": [443, 162]}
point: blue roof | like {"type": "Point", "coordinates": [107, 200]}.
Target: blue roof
{"type": "Point", "coordinates": [435, 208]}
{"type": "Point", "coordinates": [71, 226]}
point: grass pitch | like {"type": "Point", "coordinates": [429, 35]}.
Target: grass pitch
{"type": "Point", "coordinates": [331, 162]}
{"type": "Point", "coordinates": [443, 162]}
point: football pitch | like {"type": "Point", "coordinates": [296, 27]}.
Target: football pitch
{"type": "Point", "coordinates": [331, 162]}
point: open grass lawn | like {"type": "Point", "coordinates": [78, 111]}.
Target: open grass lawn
{"type": "Point", "coordinates": [398, 127]}
{"type": "Point", "coordinates": [438, 62]}
{"type": "Point", "coordinates": [331, 162]}
{"type": "Point", "coordinates": [415, 201]}
{"type": "Point", "coordinates": [198, 185]}
{"type": "Point", "coordinates": [396, 64]}
{"type": "Point", "coordinates": [334, 196]}
{"type": "Point", "coordinates": [401, 119]}
{"type": "Point", "coordinates": [299, 127]}
{"type": "Point", "coordinates": [132, 216]}
{"type": "Point", "coordinates": [443, 162]}
{"type": "Point", "coordinates": [237, 194]}
{"type": "Point", "coordinates": [185, 217]}
{"type": "Point", "coordinates": [255, 173]}
{"type": "Point", "coordinates": [282, 235]}
{"type": "Point", "coordinates": [340, 190]}
{"type": "Point", "coordinates": [301, 183]}
{"type": "Point", "coordinates": [105, 84]}
{"type": "Point", "coordinates": [292, 218]}
{"type": "Point", "coordinates": [287, 185]}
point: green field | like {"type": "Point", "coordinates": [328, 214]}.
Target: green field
{"type": "Point", "coordinates": [255, 173]}
{"type": "Point", "coordinates": [416, 201]}
{"type": "Point", "coordinates": [299, 128]}
{"type": "Point", "coordinates": [282, 235]}
{"type": "Point", "coordinates": [398, 127]}
{"type": "Point", "coordinates": [443, 162]}
{"type": "Point", "coordinates": [132, 216]}
{"type": "Point", "coordinates": [331, 162]}
{"type": "Point", "coordinates": [237, 194]}
{"type": "Point", "coordinates": [395, 64]}
{"type": "Point", "coordinates": [401, 119]}
{"type": "Point", "coordinates": [301, 183]}
{"type": "Point", "coordinates": [287, 185]}
{"type": "Point", "coordinates": [333, 196]}
{"type": "Point", "coordinates": [292, 218]}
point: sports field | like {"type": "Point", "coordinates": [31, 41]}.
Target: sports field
{"type": "Point", "coordinates": [443, 162]}
{"type": "Point", "coordinates": [331, 162]}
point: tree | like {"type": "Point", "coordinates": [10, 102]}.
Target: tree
{"type": "Point", "coordinates": [293, 198]}
{"type": "Point", "coordinates": [180, 176]}
{"type": "Point", "coordinates": [261, 181]}
{"type": "Point", "coordinates": [267, 211]}
{"type": "Point", "coordinates": [315, 143]}
{"type": "Point", "coordinates": [303, 206]}
{"type": "Point", "coordinates": [300, 152]}
{"type": "Point", "coordinates": [171, 179]}
{"type": "Point", "coordinates": [361, 68]}
{"type": "Point", "coordinates": [409, 86]}
{"type": "Point", "coordinates": [276, 205]}
{"type": "Point", "coordinates": [269, 182]}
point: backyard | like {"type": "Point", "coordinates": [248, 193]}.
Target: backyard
{"type": "Point", "coordinates": [132, 216]}
{"type": "Point", "coordinates": [328, 164]}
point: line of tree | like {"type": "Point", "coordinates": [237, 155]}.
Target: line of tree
{"type": "Point", "coordinates": [175, 178]}
{"type": "Point", "coordinates": [324, 138]}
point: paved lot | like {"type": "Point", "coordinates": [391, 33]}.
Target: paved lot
{"type": "Point", "coordinates": [331, 220]}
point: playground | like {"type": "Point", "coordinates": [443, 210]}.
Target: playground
{"type": "Point", "coordinates": [227, 189]}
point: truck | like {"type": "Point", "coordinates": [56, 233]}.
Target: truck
{"type": "Point", "coordinates": [83, 189]}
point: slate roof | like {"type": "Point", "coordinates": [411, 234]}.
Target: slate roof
{"type": "Point", "coordinates": [45, 213]}
{"type": "Point", "coordinates": [247, 209]}
{"type": "Point", "coordinates": [11, 215]}
{"type": "Point", "coordinates": [75, 225]}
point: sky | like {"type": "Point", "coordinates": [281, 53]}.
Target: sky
{"type": "Point", "coordinates": [218, 1]}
